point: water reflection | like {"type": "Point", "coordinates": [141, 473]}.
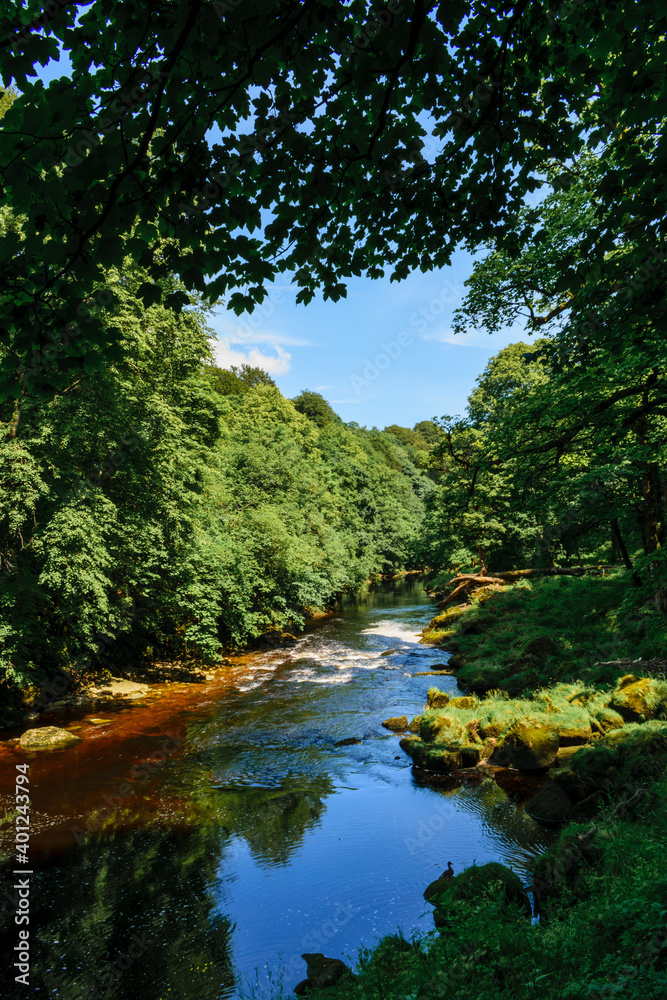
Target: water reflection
{"type": "Point", "coordinates": [259, 839]}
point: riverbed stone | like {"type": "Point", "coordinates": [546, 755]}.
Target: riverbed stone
{"type": "Point", "coordinates": [47, 738]}
{"type": "Point", "coordinates": [349, 741]}
{"type": "Point", "coordinates": [550, 805]}
{"type": "Point", "coordinates": [396, 722]}
{"type": "Point", "coordinates": [529, 746]}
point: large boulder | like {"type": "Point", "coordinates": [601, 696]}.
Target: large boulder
{"type": "Point", "coordinates": [636, 700]}
{"type": "Point", "coordinates": [47, 738]}
{"type": "Point", "coordinates": [575, 734]}
{"type": "Point", "coordinates": [445, 759]}
{"type": "Point", "coordinates": [529, 746]}
{"type": "Point", "coordinates": [322, 972]}
{"type": "Point", "coordinates": [474, 884]}
{"type": "Point", "coordinates": [550, 805]}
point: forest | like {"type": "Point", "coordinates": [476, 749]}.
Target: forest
{"type": "Point", "coordinates": [156, 508]}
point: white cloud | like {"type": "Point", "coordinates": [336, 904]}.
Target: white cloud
{"type": "Point", "coordinates": [476, 338]}
{"type": "Point", "coordinates": [226, 357]}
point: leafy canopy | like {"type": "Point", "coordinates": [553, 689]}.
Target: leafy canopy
{"type": "Point", "coordinates": [318, 138]}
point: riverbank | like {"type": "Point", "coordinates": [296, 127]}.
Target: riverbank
{"type": "Point", "coordinates": [541, 697]}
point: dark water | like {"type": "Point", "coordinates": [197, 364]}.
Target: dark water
{"type": "Point", "coordinates": [254, 839]}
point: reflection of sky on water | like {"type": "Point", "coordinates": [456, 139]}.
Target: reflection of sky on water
{"type": "Point", "coordinates": [288, 844]}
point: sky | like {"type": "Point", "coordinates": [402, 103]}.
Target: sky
{"type": "Point", "coordinates": [384, 355]}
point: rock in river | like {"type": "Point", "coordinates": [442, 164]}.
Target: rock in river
{"type": "Point", "coordinates": [47, 737]}
{"type": "Point", "coordinates": [397, 722]}
{"type": "Point", "coordinates": [550, 805]}
{"type": "Point", "coordinates": [322, 972]}
{"type": "Point", "coordinates": [527, 746]}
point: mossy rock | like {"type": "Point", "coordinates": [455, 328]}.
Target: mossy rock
{"type": "Point", "coordinates": [47, 738]}
{"type": "Point", "coordinates": [541, 648]}
{"type": "Point", "coordinates": [436, 698]}
{"type": "Point", "coordinates": [607, 719]}
{"type": "Point", "coordinates": [396, 722]}
{"type": "Point", "coordinates": [492, 729]}
{"type": "Point", "coordinates": [474, 884]}
{"type": "Point", "coordinates": [464, 702]}
{"type": "Point", "coordinates": [441, 729]}
{"type": "Point", "coordinates": [588, 807]}
{"type": "Point", "coordinates": [528, 747]}
{"type": "Point", "coordinates": [476, 626]}
{"type": "Point", "coordinates": [456, 661]}
{"type": "Point", "coordinates": [637, 700]}
{"type": "Point", "coordinates": [550, 805]}
{"type": "Point", "coordinates": [481, 677]}
{"type": "Point", "coordinates": [565, 755]}
{"type": "Point", "coordinates": [574, 734]}
{"type": "Point", "coordinates": [571, 783]}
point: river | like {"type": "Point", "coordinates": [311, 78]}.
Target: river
{"type": "Point", "coordinates": [251, 838]}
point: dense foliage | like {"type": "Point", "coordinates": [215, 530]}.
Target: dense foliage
{"type": "Point", "coordinates": [163, 507]}
{"type": "Point", "coordinates": [323, 139]}
{"type": "Point", "coordinates": [561, 455]}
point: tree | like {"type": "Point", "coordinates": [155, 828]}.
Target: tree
{"type": "Point", "coordinates": [314, 406]}
{"type": "Point", "coordinates": [604, 401]}
{"type": "Point", "coordinates": [334, 140]}
{"type": "Point", "coordinates": [235, 380]}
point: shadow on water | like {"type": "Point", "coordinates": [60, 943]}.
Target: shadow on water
{"type": "Point", "coordinates": [257, 838]}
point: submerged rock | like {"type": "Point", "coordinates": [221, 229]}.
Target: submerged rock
{"type": "Point", "coordinates": [322, 972]}
{"type": "Point", "coordinates": [550, 805]}
{"type": "Point", "coordinates": [396, 722]}
{"type": "Point", "coordinates": [47, 738]}
{"type": "Point", "coordinates": [349, 741]}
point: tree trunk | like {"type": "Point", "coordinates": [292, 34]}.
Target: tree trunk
{"type": "Point", "coordinates": [620, 545]}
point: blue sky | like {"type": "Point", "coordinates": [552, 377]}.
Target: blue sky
{"type": "Point", "coordinates": [384, 355]}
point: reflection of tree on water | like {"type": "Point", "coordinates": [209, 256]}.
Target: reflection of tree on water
{"type": "Point", "coordinates": [125, 917]}
{"type": "Point", "coordinates": [273, 822]}
{"type": "Point", "coordinates": [130, 915]}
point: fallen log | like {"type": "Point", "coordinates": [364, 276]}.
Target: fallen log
{"type": "Point", "coordinates": [465, 582]}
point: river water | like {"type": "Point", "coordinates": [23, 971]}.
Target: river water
{"type": "Point", "coordinates": [249, 838]}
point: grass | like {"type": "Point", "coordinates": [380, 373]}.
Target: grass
{"type": "Point", "coordinates": [580, 616]}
